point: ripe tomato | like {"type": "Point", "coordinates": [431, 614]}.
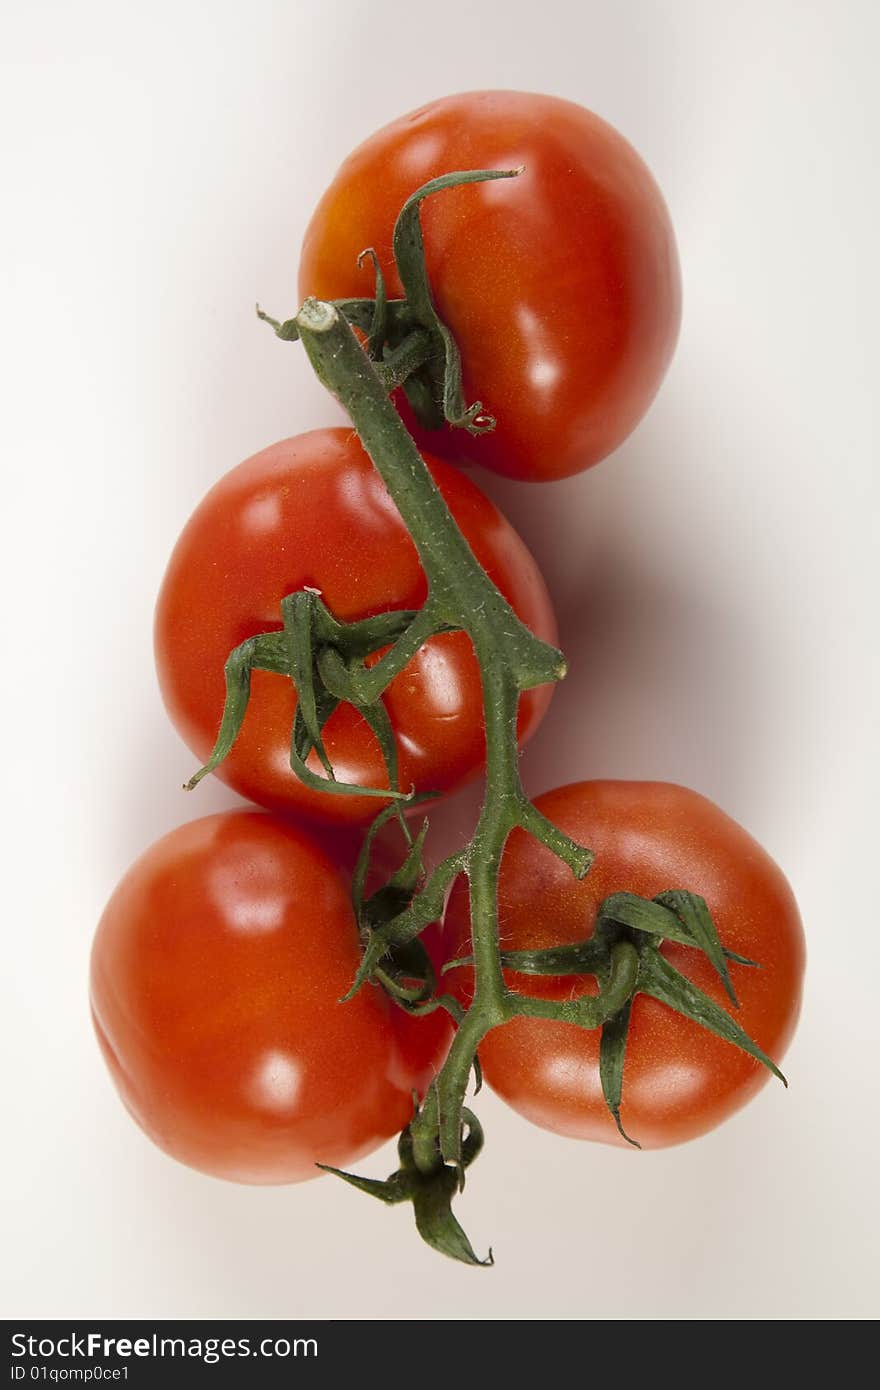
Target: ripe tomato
{"type": "Point", "coordinates": [216, 971]}
{"type": "Point", "coordinates": [313, 511]}
{"type": "Point", "coordinates": [679, 1080]}
{"type": "Point", "coordinates": [561, 286]}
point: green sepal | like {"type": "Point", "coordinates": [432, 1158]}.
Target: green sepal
{"type": "Point", "coordinates": [409, 255]}
{"type": "Point", "coordinates": [406, 960]}
{"type": "Point", "coordinates": [641, 914]}
{"type": "Point", "coordinates": [740, 960]}
{"type": "Point", "coordinates": [378, 330]}
{"type": "Point", "coordinates": [436, 1183]}
{"type": "Point", "coordinates": [674, 915]}
{"type": "Point", "coordinates": [436, 1222]}
{"type": "Point", "coordinates": [303, 740]}
{"type": "Point", "coordinates": [325, 784]}
{"type": "Point", "coordinates": [425, 907]}
{"type": "Point", "coordinates": [431, 1192]}
{"type": "Point", "coordinates": [692, 912]}
{"type": "Point", "coordinates": [367, 635]}
{"type": "Point", "coordinates": [378, 720]}
{"type": "Point", "coordinates": [344, 688]}
{"type": "Point", "coordinates": [412, 870]}
{"type": "Point", "coordinates": [265, 652]}
{"type": "Point", "coordinates": [391, 1190]}
{"type": "Point", "coordinates": [395, 895]}
{"type": "Point", "coordinates": [362, 865]}
{"type": "Point", "coordinates": [300, 738]}
{"type": "Point", "coordinates": [375, 949]}
{"type": "Point", "coordinates": [298, 615]}
{"type": "Point", "coordinates": [612, 1052]}
{"type": "Point", "coordinates": [663, 982]}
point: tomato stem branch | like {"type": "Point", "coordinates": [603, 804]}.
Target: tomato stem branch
{"type": "Point", "coordinates": [511, 660]}
{"type": "Point", "coordinates": [364, 686]}
{"type": "Point", "coordinates": [623, 954]}
{"type": "Point", "coordinates": [399, 364]}
{"type": "Point", "coordinates": [461, 592]}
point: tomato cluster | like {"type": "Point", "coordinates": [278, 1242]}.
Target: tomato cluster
{"type": "Point", "coordinates": [222, 956]}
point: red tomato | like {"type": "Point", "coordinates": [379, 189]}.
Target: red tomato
{"type": "Point", "coordinates": [679, 1080]}
{"type": "Point", "coordinates": [216, 971]}
{"type": "Point", "coordinates": [561, 286]}
{"type": "Point", "coordinates": [313, 511]}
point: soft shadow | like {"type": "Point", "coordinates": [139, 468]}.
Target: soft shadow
{"type": "Point", "coordinates": [151, 798]}
{"type": "Point", "coordinates": [665, 672]}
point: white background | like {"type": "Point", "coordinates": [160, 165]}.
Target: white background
{"type": "Point", "coordinates": [715, 581]}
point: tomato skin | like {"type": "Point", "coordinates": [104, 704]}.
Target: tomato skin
{"type": "Point", "coordinates": [679, 1081]}
{"type": "Point", "coordinates": [215, 978]}
{"type": "Point", "coordinates": [313, 511]}
{"type": "Point", "coordinates": [561, 287]}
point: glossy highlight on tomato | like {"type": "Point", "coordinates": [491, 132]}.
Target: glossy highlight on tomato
{"type": "Point", "coordinates": [216, 972]}
{"type": "Point", "coordinates": [561, 286]}
{"type": "Point", "coordinates": [679, 1080]}
{"type": "Point", "coordinates": [313, 511]}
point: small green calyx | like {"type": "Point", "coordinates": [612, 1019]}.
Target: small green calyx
{"type": "Point", "coordinates": [326, 660]}
{"type": "Point", "coordinates": [428, 1183]}
{"type": "Point", "coordinates": [407, 341]}
{"type": "Point", "coordinates": [407, 972]}
{"type": "Point", "coordinates": [439, 390]}
{"type": "Point", "coordinates": [645, 924]}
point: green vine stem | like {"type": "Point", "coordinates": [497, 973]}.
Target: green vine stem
{"type": "Point", "coordinates": [511, 659]}
{"type": "Point", "coordinates": [407, 344]}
